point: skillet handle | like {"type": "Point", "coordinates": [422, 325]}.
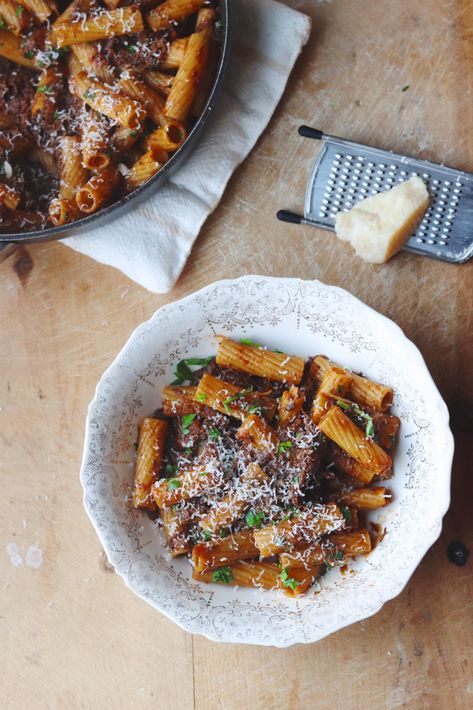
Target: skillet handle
{"type": "Point", "coordinates": [7, 249]}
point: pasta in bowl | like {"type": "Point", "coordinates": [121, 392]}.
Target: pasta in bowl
{"type": "Point", "coordinates": [289, 540]}
{"type": "Point", "coordinates": [259, 471]}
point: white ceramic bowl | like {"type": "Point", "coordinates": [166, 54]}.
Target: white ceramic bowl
{"type": "Point", "coordinates": [303, 318]}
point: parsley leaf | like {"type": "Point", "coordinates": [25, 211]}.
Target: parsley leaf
{"type": "Point", "coordinates": [223, 575]}
{"type": "Point", "coordinates": [186, 422]}
{"type": "Point", "coordinates": [369, 429]}
{"type": "Point", "coordinates": [132, 49]}
{"type": "Point", "coordinates": [46, 89]}
{"type": "Point", "coordinates": [28, 54]}
{"type": "Point", "coordinates": [2, 24]}
{"type": "Point", "coordinates": [369, 420]}
{"type": "Point", "coordinates": [254, 520]}
{"type": "Point", "coordinates": [19, 11]}
{"type": "Point", "coordinates": [284, 446]}
{"type": "Point", "coordinates": [339, 556]}
{"type": "Point", "coordinates": [346, 512]}
{"type": "Point", "coordinates": [254, 409]}
{"type": "Point", "coordinates": [135, 445]}
{"type": "Point", "coordinates": [183, 371]}
{"type": "Point", "coordinates": [236, 396]}
{"type": "Point", "coordinates": [206, 535]}
{"type": "Point", "coordinates": [214, 434]}
{"type": "Point", "coordinates": [201, 396]}
{"type": "Point", "coordinates": [250, 343]}
{"type": "Point", "coordinates": [406, 87]}
{"type": "Point", "coordinates": [223, 532]}
{"type": "Point", "coordinates": [173, 484]}
{"type": "Point", "coordinates": [170, 468]}
{"type": "Point", "coordinates": [342, 404]}
{"type": "Point", "coordinates": [57, 115]}
{"type": "Point", "coordinates": [88, 94]}
{"type": "Point", "coordinates": [288, 581]}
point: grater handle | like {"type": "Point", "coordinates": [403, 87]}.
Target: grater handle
{"type": "Point", "coordinates": [292, 217]}
{"type": "Point", "coordinates": [308, 132]}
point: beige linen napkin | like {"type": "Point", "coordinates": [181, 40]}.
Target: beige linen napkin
{"type": "Point", "coordinates": [151, 242]}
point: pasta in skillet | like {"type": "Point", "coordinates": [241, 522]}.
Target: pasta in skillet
{"type": "Point", "coordinates": [95, 96]}
{"type": "Point", "coordinates": [259, 465]}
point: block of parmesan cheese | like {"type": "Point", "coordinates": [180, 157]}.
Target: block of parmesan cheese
{"type": "Point", "coordinates": [378, 226]}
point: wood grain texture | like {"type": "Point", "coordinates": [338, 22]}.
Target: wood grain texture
{"type": "Point", "coordinates": [73, 636]}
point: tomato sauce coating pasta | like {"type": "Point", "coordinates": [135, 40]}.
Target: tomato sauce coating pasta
{"type": "Point", "coordinates": [249, 486]}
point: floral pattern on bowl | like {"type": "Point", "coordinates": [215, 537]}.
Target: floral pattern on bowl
{"type": "Point", "coordinates": [302, 318]}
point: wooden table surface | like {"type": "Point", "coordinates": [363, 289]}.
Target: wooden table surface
{"type": "Point", "coordinates": [73, 636]}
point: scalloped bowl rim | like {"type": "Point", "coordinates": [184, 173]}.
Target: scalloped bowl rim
{"type": "Point", "coordinates": [442, 411]}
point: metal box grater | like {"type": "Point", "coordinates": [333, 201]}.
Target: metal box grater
{"type": "Point", "coordinates": [345, 172]}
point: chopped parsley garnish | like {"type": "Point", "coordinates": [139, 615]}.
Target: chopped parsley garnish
{"type": "Point", "coordinates": [299, 435]}
{"type": "Point", "coordinates": [406, 87]}
{"type": "Point", "coordinates": [170, 468]}
{"type": "Point", "coordinates": [88, 94]}
{"type": "Point", "coordinates": [183, 372]}
{"type": "Point", "coordinates": [339, 556]}
{"type": "Point", "coordinates": [291, 511]}
{"type": "Point", "coordinates": [2, 24]}
{"type": "Point", "coordinates": [342, 404]}
{"type": "Point", "coordinates": [214, 434]}
{"type": "Point", "coordinates": [201, 396]}
{"type": "Point", "coordinates": [224, 575]}
{"type": "Point", "coordinates": [206, 535]}
{"type": "Point", "coordinates": [132, 48]}
{"type": "Point", "coordinates": [254, 409]}
{"type": "Point", "coordinates": [288, 581]}
{"type": "Point", "coordinates": [250, 343]}
{"type": "Point", "coordinates": [187, 451]}
{"type": "Point", "coordinates": [253, 519]}
{"type": "Point", "coordinates": [346, 512]}
{"type": "Point", "coordinates": [135, 445]}
{"type": "Point", "coordinates": [284, 446]}
{"type": "Point", "coordinates": [19, 11]}
{"type": "Point", "coordinates": [369, 430]}
{"type": "Point", "coordinates": [46, 89]}
{"type": "Point", "coordinates": [279, 352]}
{"type": "Point", "coordinates": [173, 484]}
{"type": "Point", "coordinates": [57, 115]}
{"type": "Point", "coordinates": [133, 134]}
{"type": "Point", "coordinates": [29, 54]}
{"type": "Point", "coordinates": [239, 395]}
{"type": "Point", "coordinates": [186, 422]}
{"type": "Point", "coordinates": [369, 420]}
{"type": "Point", "coordinates": [204, 473]}
{"type": "Point", "coordinates": [223, 532]}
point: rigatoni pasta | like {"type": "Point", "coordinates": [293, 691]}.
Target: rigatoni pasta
{"type": "Point", "coordinates": [122, 77]}
{"type": "Point", "coordinates": [149, 459]}
{"type": "Point", "coordinates": [254, 490]}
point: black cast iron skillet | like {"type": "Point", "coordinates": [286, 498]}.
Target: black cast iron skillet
{"type": "Point", "coordinates": [9, 242]}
